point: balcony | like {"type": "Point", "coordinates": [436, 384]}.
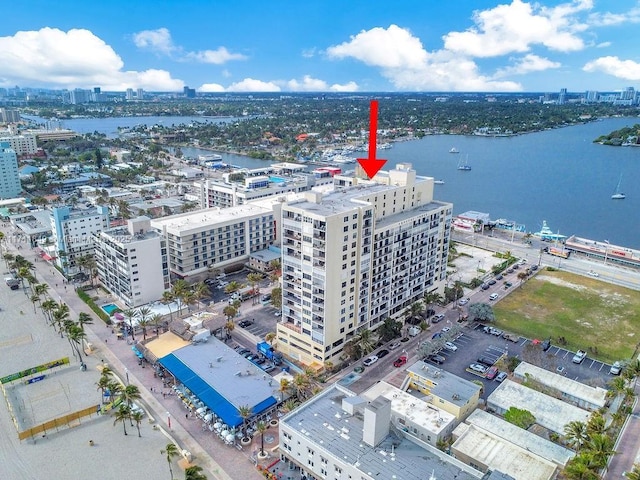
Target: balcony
{"type": "Point", "coordinates": [291, 326]}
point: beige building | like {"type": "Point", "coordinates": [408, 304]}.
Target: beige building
{"type": "Point", "coordinates": [23, 144]}
{"type": "Point", "coordinates": [448, 392]}
{"type": "Point", "coordinates": [356, 255]}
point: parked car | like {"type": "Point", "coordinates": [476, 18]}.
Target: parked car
{"type": "Point", "coordinates": [616, 368]}
{"type": "Point", "coordinates": [435, 358]}
{"type": "Point", "coordinates": [445, 329]}
{"type": "Point", "coordinates": [244, 351]}
{"type": "Point", "coordinates": [277, 313]}
{"type": "Point", "coordinates": [268, 368]}
{"type": "Point", "coordinates": [533, 268]}
{"type": "Point", "coordinates": [358, 369]}
{"type": "Point", "coordinates": [382, 353]}
{"type": "Point", "coordinates": [501, 377]}
{"type": "Point", "coordinates": [499, 277]}
{"type": "Point", "coordinates": [591, 273]}
{"type": "Point", "coordinates": [464, 301]}
{"type": "Point", "coordinates": [493, 296]}
{"type": "Point", "coordinates": [222, 285]}
{"type": "Point", "coordinates": [486, 361]}
{"type": "Point", "coordinates": [507, 285]}
{"type": "Point", "coordinates": [394, 345]}
{"type": "Point", "coordinates": [430, 312]}
{"type": "Point", "coordinates": [245, 323]}
{"type": "Point", "coordinates": [492, 282]}
{"type": "Point", "coordinates": [450, 346]}
{"type": "Point", "coordinates": [492, 373]}
{"type": "Point", "coordinates": [370, 360]}
{"type": "Point", "coordinates": [546, 345]}
{"type": "Point", "coordinates": [496, 331]}
{"type": "Point", "coordinates": [400, 361]}
{"type": "Point", "coordinates": [437, 318]}
{"type": "Point", "coordinates": [476, 367]}
{"type": "Point", "coordinates": [485, 286]}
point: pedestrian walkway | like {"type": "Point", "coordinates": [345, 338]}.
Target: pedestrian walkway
{"type": "Point", "coordinates": [207, 449]}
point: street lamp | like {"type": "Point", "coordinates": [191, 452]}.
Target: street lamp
{"type": "Point", "coordinates": [606, 251]}
{"type": "Point", "coordinates": [169, 420]}
{"type": "Point", "coordinates": [126, 374]}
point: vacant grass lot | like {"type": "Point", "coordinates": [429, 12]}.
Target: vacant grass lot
{"type": "Point", "coordinates": [601, 318]}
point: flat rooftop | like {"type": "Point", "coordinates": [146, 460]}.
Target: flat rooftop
{"type": "Point", "coordinates": [341, 199]}
{"type": "Point", "coordinates": [500, 454]}
{"type": "Point", "coordinates": [204, 219]}
{"type": "Point", "coordinates": [335, 431]}
{"type": "Point", "coordinates": [405, 405]}
{"type": "Point", "coordinates": [445, 385]}
{"type": "Point", "coordinates": [222, 379]}
{"type": "Point", "coordinates": [550, 412]}
{"type": "Point", "coordinates": [523, 438]}
{"type": "Point", "coordinates": [596, 396]}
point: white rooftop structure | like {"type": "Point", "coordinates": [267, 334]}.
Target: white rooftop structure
{"type": "Point", "coordinates": [550, 412]}
{"type": "Point", "coordinates": [421, 414]}
{"type": "Point", "coordinates": [203, 219]}
{"type": "Point", "coordinates": [521, 437]}
{"type": "Point", "coordinates": [583, 395]}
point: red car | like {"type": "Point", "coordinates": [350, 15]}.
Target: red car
{"type": "Point", "coordinates": [400, 361]}
{"type": "Point", "coordinates": [492, 373]}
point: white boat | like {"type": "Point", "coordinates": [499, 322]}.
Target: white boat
{"type": "Point", "coordinates": [547, 234]}
{"type": "Point", "coordinates": [438, 182]}
{"type": "Point", "coordinates": [454, 150]}
{"type": "Point", "coordinates": [210, 158]}
{"type": "Point", "coordinates": [618, 195]}
{"type": "Point", "coordinates": [464, 166]}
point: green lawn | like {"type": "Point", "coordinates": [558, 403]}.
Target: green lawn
{"type": "Point", "coordinates": [601, 318]}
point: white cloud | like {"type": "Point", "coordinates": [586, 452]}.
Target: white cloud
{"type": "Point", "coordinates": [603, 45]}
{"type": "Point", "coordinates": [527, 64]}
{"type": "Point", "coordinates": [307, 84]}
{"type": "Point", "coordinates": [309, 52]}
{"type": "Point", "coordinates": [158, 41]}
{"type": "Point", "coordinates": [515, 27]}
{"type": "Point", "coordinates": [253, 85]}
{"type": "Point", "coordinates": [393, 47]}
{"type": "Point", "coordinates": [608, 19]}
{"type": "Point", "coordinates": [408, 66]}
{"type": "Point", "coordinates": [346, 87]}
{"type": "Point", "coordinates": [211, 88]}
{"type": "Point", "coordinates": [625, 69]}
{"type": "Point", "coordinates": [217, 57]}
{"type": "Point", "coordinates": [76, 58]}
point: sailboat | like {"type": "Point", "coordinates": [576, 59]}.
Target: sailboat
{"type": "Point", "coordinates": [464, 166]}
{"type": "Point", "coordinates": [618, 195]}
{"type": "Point", "coordinates": [454, 150]}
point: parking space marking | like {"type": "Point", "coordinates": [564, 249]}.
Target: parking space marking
{"type": "Point", "coordinates": [601, 367]}
{"type": "Point", "coordinates": [592, 362]}
{"type": "Point", "coordinates": [566, 354]}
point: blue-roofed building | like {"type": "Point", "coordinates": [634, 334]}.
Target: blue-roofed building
{"type": "Point", "coordinates": [222, 379]}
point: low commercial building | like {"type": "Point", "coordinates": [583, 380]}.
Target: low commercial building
{"type": "Point", "coordinates": [413, 416]}
{"type": "Point", "coordinates": [34, 225]}
{"type": "Point", "coordinates": [132, 262]}
{"type": "Point", "coordinates": [443, 389]}
{"type": "Point", "coordinates": [549, 412]}
{"type": "Point", "coordinates": [262, 259]}
{"type": "Point", "coordinates": [603, 251]}
{"type": "Point", "coordinates": [338, 435]}
{"type": "Point", "coordinates": [584, 396]}
{"type": "Point", "coordinates": [222, 380]}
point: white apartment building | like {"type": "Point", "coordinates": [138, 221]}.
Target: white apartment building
{"type": "Point", "coordinates": [356, 256]}
{"type": "Point", "coordinates": [24, 144]}
{"type": "Point", "coordinates": [243, 186]}
{"type": "Point", "coordinates": [73, 231]}
{"type": "Point", "coordinates": [214, 238]}
{"type": "Point", "coordinates": [10, 186]}
{"type": "Point", "coordinates": [132, 262]}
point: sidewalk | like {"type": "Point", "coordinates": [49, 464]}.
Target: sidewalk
{"type": "Point", "coordinates": [186, 432]}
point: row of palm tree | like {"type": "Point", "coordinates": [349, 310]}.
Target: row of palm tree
{"type": "Point", "coordinates": [184, 294]}
{"type": "Point", "coordinates": [145, 318]}
{"type": "Point", "coordinates": [127, 394]}
{"type": "Point", "coordinates": [593, 446]}
{"type": "Point", "coordinates": [193, 472]}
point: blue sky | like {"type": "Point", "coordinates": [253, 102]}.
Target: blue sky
{"type": "Point", "coordinates": [331, 45]}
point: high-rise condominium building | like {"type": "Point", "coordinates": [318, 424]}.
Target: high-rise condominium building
{"type": "Point", "coordinates": [355, 256]}
{"type": "Point", "coordinates": [10, 186]}
{"type": "Point", "coordinates": [133, 262]}
{"type": "Point", "coordinates": [23, 144]}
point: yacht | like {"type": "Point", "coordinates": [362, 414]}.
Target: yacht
{"type": "Point", "coordinates": [438, 182]}
{"type": "Point", "coordinates": [618, 195]}
{"type": "Point", "coordinates": [464, 165]}
{"type": "Point", "coordinates": [454, 150]}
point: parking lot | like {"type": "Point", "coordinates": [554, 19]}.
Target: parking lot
{"type": "Point", "coordinates": [476, 346]}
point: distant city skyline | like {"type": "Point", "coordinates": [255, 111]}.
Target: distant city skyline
{"type": "Point", "coordinates": [253, 46]}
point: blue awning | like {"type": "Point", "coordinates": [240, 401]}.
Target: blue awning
{"type": "Point", "coordinates": [137, 352]}
{"type": "Point", "coordinates": [207, 394]}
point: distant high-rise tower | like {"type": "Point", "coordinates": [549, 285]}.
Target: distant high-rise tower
{"type": "Point", "coordinates": [139, 94]}
{"type": "Point", "coordinates": [189, 92]}
{"type": "Point", "coordinates": [562, 97]}
{"type": "Point", "coordinates": [9, 180]}
{"type": "Point", "coordinates": [97, 90]}
{"type": "Point", "coordinates": [129, 94]}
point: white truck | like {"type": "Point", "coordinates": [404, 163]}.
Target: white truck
{"type": "Point", "coordinates": [579, 356]}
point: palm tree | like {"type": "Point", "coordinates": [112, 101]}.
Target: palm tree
{"type": "Point", "coordinates": [84, 319]}
{"type": "Point", "coordinates": [115, 390]}
{"type": "Point", "coordinates": [129, 315]}
{"type": "Point", "coordinates": [261, 427]}
{"type": "Point", "coordinates": [122, 414]}
{"type": "Point", "coordinates": [35, 298]}
{"type": "Point", "coordinates": [189, 299]}
{"type": "Point", "coordinates": [178, 289]}
{"type": "Point", "coordinates": [8, 259]}
{"type": "Point", "coordinates": [230, 312]}
{"type": "Point", "coordinates": [601, 446]}
{"type": "Point", "coordinates": [144, 314]}
{"type": "Point", "coordinates": [130, 393]}
{"type": "Point", "coordinates": [634, 474]}
{"type": "Point", "coordinates": [581, 468]}
{"type": "Point", "coordinates": [300, 385]}
{"type": "Point", "coordinates": [137, 417]}
{"type": "Point", "coordinates": [229, 327]}
{"type": "Point", "coordinates": [289, 405]}
{"type": "Point", "coordinates": [365, 341]}
{"type": "Point", "coordinates": [200, 291]}
{"type": "Point", "coordinates": [194, 472]}
{"type": "Point", "coordinates": [232, 287]}
{"type": "Point", "coordinates": [155, 321]}
{"type": "Point", "coordinates": [48, 307]}
{"type": "Point", "coordinates": [576, 434]}
{"type": "Point", "coordinates": [245, 413]}
{"type": "Point", "coordinates": [76, 336]}
{"type": "Point", "coordinates": [285, 386]}
{"type": "Point", "coordinates": [632, 372]}
{"type": "Point", "coordinates": [170, 451]}
{"type": "Point", "coordinates": [270, 337]}
{"type": "Point", "coordinates": [42, 289]}
{"type": "Point", "coordinates": [167, 299]}
{"type": "Point", "coordinates": [103, 384]}
{"type": "Point", "coordinates": [596, 424]}
{"type": "Point", "coordinates": [254, 279]}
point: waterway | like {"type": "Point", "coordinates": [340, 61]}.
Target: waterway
{"type": "Point", "coordinates": [557, 175]}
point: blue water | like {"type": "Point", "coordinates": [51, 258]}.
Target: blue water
{"type": "Point", "coordinates": [109, 308]}
{"type": "Point", "coordinates": [557, 175]}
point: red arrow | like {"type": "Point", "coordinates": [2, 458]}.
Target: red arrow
{"type": "Point", "coordinates": [372, 165]}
